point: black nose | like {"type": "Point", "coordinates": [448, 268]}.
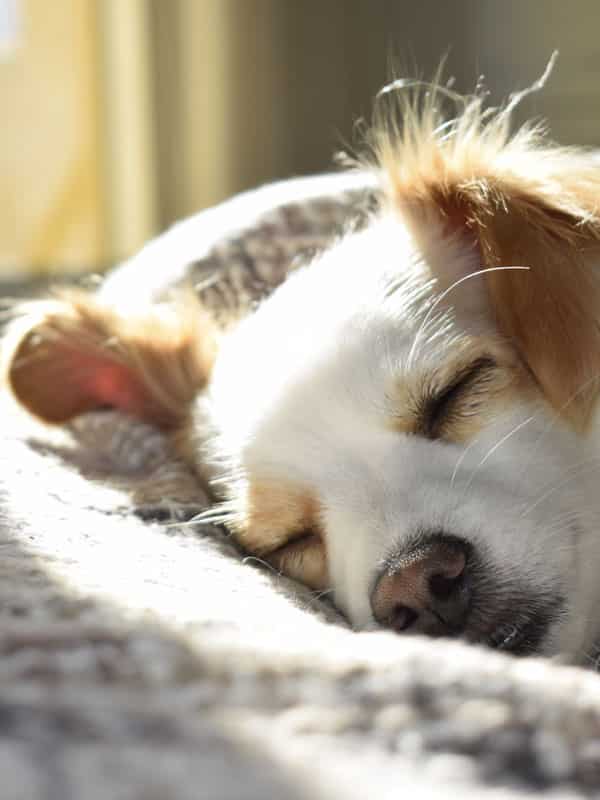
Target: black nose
{"type": "Point", "coordinates": [426, 590]}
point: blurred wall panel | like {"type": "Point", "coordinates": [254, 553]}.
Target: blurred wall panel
{"type": "Point", "coordinates": [217, 81]}
{"type": "Point", "coordinates": [127, 125]}
{"type": "Point", "coordinates": [189, 83]}
{"type": "Point", "coordinates": [77, 160]}
{"type": "Point", "coordinates": [50, 175]}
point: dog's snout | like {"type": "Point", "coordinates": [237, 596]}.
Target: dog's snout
{"type": "Point", "coordinates": [426, 590]}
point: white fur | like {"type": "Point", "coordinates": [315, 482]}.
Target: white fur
{"type": "Point", "coordinates": [300, 393]}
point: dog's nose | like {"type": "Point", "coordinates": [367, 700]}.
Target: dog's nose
{"type": "Point", "coordinates": [426, 590]}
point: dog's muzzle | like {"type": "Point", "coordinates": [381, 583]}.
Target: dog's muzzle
{"type": "Point", "coordinates": [440, 586]}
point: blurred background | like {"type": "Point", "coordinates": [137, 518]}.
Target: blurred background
{"type": "Point", "coordinates": [120, 116]}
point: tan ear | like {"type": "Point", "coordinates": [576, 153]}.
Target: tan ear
{"type": "Point", "coordinates": [552, 311]}
{"type": "Point", "coordinates": [74, 354]}
{"type": "Point", "coordinates": [519, 201]}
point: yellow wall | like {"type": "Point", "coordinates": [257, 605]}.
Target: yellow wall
{"type": "Point", "coordinates": [127, 124]}
{"type": "Point", "coordinates": [77, 159]}
{"type": "Point", "coordinates": [50, 184]}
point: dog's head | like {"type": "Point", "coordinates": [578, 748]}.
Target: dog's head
{"type": "Point", "coordinates": [409, 419]}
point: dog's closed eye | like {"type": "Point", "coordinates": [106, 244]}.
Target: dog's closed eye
{"type": "Point", "coordinates": [304, 559]}
{"type": "Point", "coordinates": [443, 406]}
{"type": "Point", "coordinates": [452, 402]}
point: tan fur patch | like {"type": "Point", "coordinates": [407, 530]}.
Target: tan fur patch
{"type": "Point", "coordinates": [74, 354]}
{"type": "Point", "coordinates": [281, 523]}
{"type": "Point", "coordinates": [271, 513]}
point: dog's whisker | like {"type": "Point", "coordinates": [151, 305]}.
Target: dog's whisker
{"type": "Point", "coordinates": [322, 593]}
{"type": "Point", "coordinates": [557, 418]}
{"type": "Point", "coordinates": [211, 516]}
{"type": "Point", "coordinates": [318, 596]}
{"type": "Point", "coordinates": [574, 468]}
{"type": "Point", "coordinates": [494, 448]}
{"type": "Point", "coordinates": [461, 458]}
{"type": "Point", "coordinates": [561, 484]}
{"type": "Point", "coordinates": [440, 298]}
{"type": "Point", "coordinates": [261, 562]}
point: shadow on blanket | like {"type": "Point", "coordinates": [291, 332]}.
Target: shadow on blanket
{"type": "Point", "coordinates": [146, 659]}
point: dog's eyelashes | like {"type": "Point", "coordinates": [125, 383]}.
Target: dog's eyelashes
{"type": "Point", "coordinates": [439, 407]}
{"type": "Point", "coordinates": [459, 397]}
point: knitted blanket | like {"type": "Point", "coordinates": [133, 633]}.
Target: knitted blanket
{"type": "Point", "coordinates": [146, 657]}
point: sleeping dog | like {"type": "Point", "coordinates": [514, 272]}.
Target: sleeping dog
{"type": "Point", "coordinates": [408, 419]}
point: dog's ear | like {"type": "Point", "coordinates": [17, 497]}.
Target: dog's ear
{"type": "Point", "coordinates": [511, 201]}
{"type": "Point", "coordinates": [75, 354]}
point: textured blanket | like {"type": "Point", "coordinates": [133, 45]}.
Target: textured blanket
{"type": "Point", "coordinates": [144, 656]}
